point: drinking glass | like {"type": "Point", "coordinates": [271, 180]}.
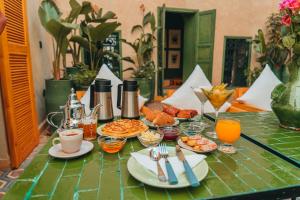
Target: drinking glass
{"type": "Point", "coordinates": [228, 131]}
{"type": "Point", "coordinates": [202, 98]}
{"type": "Point", "coordinates": [217, 96]}
{"type": "Point", "coordinates": [89, 125]}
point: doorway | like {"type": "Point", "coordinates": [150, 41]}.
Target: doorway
{"type": "Point", "coordinates": [174, 29]}
{"type": "Point", "coordinates": [186, 38]}
{"type": "Point", "coordinates": [236, 60]}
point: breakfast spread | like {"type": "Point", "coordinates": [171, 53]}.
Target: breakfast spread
{"type": "Point", "coordinates": [198, 143]}
{"type": "Point", "coordinates": [124, 128]}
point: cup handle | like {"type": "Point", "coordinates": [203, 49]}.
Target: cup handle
{"type": "Point", "coordinates": [55, 140]}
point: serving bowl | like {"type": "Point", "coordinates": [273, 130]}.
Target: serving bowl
{"type": "Point", "coordinates": [111, 144]}
{"type": "Point", "coordinates": [147, 141]}
{"type": "Point", "coordinates": [170, 132]}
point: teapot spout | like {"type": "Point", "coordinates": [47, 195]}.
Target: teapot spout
{"type": "Point", "coordinates": [95, 110]}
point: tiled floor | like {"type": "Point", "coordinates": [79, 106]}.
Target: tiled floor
{"type": "Point", "coordinates": [8, 176]}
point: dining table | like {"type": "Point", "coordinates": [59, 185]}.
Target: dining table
{"type": "Point", "coordinates": [264, 167]}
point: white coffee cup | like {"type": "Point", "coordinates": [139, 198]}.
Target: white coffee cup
{"type": "Point", "coordinates": [70, 140]}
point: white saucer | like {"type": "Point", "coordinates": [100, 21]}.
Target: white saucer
{"type": "Point", "coordinates": [57, 152]}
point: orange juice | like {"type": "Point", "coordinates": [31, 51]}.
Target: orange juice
{"type": "Point", "coordinates": [228, 130]}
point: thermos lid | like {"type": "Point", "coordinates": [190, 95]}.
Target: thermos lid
{"type": "Point", "coordinates": [102, 85]}
{"type": "Point", "coordinates": [130, 85]}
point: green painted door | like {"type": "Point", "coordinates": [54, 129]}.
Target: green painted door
{"type": "Point", "coordinates": [161, 62]}
{"type": "Point", "coordinates": [204, 49]}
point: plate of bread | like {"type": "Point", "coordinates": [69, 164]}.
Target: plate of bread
{"type": "Point", "coordinates": [180, 114]}
{"type": "Point", "coordinates": [197, 143]}
{"type": "Point", "coordinates": [122, 128]}
{"type": "Point", "coordinates": [157, 118]}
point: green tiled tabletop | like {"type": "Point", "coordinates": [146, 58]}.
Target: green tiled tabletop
{"type": "Point", "coordinates": [99, 175]}
{"type": "Point", "coordinates": [264, 128]}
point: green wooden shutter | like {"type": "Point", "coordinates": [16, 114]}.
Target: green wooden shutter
{"type": "Point", "coordinates": [205, 41]}
{"type": "Point", "coordinates": [161, 63]}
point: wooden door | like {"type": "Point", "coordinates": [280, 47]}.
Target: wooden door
{"type": "Point", "coordinates": [205, 41]}
{"type": "Point", "coordinates": [161, 40]}
{"type": "Point", "coordinates": [16, 83]}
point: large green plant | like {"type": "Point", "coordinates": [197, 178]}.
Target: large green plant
{"type": "Point", "coordinates": [270, 47]}
{"type": "Point", "coordinates": [94, 29]}
{"type": "Point", "coordinates": [143, 47]}
{"type": "Point", "coordinates": [59, 28]}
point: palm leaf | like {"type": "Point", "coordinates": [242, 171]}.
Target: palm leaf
{"type": "Point", "coordinates": [137, 28]}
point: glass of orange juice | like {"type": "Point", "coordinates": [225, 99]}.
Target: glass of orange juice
{"type": "Point", "coordinates": [228, 132]}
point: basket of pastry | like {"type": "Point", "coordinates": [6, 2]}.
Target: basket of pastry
{"type": "Point", "coordinates": [197, 143]}
{"type": "Point", "coordinates": [122, 128]}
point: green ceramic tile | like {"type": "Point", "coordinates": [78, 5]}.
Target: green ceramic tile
{"type": "Point", "coordinates": [36, 166]}
{"type": "Point", "coordinates": [134, 193]}
{"type": "Point", "coordinates": [179, 194]}
{"type": "Point", "coordinates": [49, 178]}
{"type": "Point", "coordinates": [86, 195]}
{"type": "Point", "coordinates": [90, 177]}
{"type": "Point", "coordinates": [156, 193]}
{"type": "Point", "coordinates": [216, 187]}
{"type": "Point", "coordinates": [110, 185]}
{"type": "Point", "coordinates": [66, 188]}
{"type": "Point", "coordinates": [73, 167]}
{"type": "Point", "coordinates": [18, 191]}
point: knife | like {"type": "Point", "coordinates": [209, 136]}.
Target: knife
{"type": "Point", "coordinates": [188, 170]}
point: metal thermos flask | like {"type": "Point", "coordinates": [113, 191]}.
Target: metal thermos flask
{"type": "Point", "coordinates": [101, 94]}
{"type": "Point", "coordinates": [129, 98]}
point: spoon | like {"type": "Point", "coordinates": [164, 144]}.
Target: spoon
{"type": "Point", "coordinates": [155, 155]}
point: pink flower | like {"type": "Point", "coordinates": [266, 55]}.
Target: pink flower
{"type": "Point", "coordinates": [289, 4]}
{"type": "Point", "coordinates": [286, 20]}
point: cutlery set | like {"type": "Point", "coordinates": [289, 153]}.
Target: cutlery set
{"type": "Point", "coordinates": [161, 151]}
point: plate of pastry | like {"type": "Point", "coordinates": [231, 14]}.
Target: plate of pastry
{"type": "Point", "coordinates": [156, 118]}
{"type": "Point", "coordinates": [197, 143]}
{"type": "Point", "coordinates": [180, 114]}
{"type": "Point", "coordinates": [121, 128]}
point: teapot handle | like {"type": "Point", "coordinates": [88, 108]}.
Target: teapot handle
{"type": "Point", "coordinates": [49, 119]}
{"type": "Point", "coordinates": [119, 96]}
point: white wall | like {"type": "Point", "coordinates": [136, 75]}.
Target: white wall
{"type": "Point", "coordinates": [41, 59]}
{"type": "Point", "coordinates": [4, 155]}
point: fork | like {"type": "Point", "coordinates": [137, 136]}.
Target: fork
{"type": "Point", "coordinates": [162, 148]}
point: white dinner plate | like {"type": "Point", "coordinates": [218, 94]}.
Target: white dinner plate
{"type": "Point", "coordinates": [57, 152]}
{"type": "Point", "coordinates": [146, 176]}
{"type": "Point", "coordinates": [151, 125]}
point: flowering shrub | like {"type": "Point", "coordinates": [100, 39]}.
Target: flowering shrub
{"type": "Point", "coordinates": [290, 30]}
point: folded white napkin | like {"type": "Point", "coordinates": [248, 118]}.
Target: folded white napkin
{"type": "Point", "coordinates": [177, 165]}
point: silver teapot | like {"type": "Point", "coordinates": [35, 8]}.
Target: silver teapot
{"type": "Point", "coordinates": [73, 112]}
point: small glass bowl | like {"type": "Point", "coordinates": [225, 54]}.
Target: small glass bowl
{"type": "Point", "coordinates": [192, 128]}
{"type": "Point", "coordinates": [111, 144]}
{"type": "Point", "coordinates": [169, 132]}
{"type": "Point", "coordinates": [152, 143]}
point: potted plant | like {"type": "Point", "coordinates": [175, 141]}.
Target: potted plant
{"type": "Point", "coordinates": [272, 51]}
{"type": "Point", "coordinates": [144, 69]}
{"type": "Point", "coordinates": [57, 88]}
{"type": "Point", "coordinates": [94, 29]}
{"type": "Point", "coordinates": [286, 101]}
